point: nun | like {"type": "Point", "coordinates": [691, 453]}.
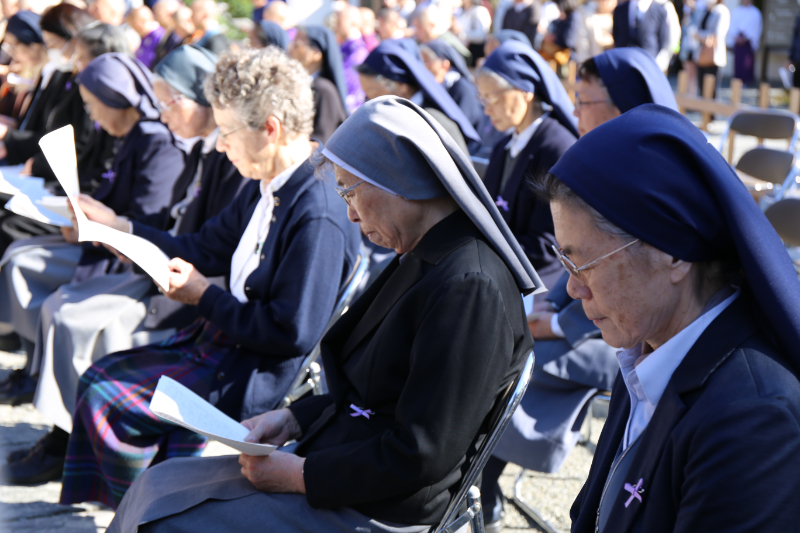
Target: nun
{"type": "Point", "coordinates": [82, 322]}
{"type": "Point", "coordinates": [269, 33]}
{"type": "Point", "coordinates": [450, 70]}
{"type": "Point", "coordinates": [388, 445]}
{"type": "Point", "coordinates": [573, 362]}
{"type": "Point", "coordinates": [697, 291]}
{"type": "Point", "coordinates": [285, 244]}
{"type": "Point", "coordinates": [391, 70]}
{"type": "Point", "coordinates": [315, 47]}
{"type": "Point", "coordinates": [521, 93]}
{"type": "Point", "coordinates": [494, 40]}
{"type": "Point", "coordinates": [118, 94]}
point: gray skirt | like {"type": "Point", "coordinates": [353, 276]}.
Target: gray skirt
{"type": "Point", "coordinates": [199, 494]}
{"type": "Point", "coordinates": [79, 324]}
{"type": "Point", "coordinates": [31, 269]}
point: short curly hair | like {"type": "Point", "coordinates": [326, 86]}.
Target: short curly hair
{"type": "Point", "coordinates": [262, 83]}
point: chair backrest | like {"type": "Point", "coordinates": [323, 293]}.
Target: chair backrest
{"type": "Point", "coordinates": [767, 164]}
{"type": "Point", "coordinates": [342, 305]}
{"type": "Point", "coordinates": [508, 404]}
{"type": "Point", "coordinates": [784, 215]}
{"type": "Point", "coordinates": [480, 164]}
{"type": "Point", "coordinates": [764, 124]}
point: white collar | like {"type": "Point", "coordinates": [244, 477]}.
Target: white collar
{"type": "Point", "coordinates": [520, 140]}
{"type": "Point", "coordinates": [450, 78]}
{"type": "Point", "coordinates": [522, 5]}
{"type": "Point", "coordinates": [279, 180]}
{"type": "Point", "coordinates": [210, 142]}
{"type": "Point", "coordinates": [655, 370]}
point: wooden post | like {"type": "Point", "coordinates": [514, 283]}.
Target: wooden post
{"type": "Point", "coordinates": [763, 95]}
{"type": "Point", "coordinates": [683, 86]}
{"type": "Point", "coordinates": [794, 100]}
{"type": "Point", "coordinates": [554, 65]}
{"type": "Point", "coordinates": [709, 84]}
{"type": "Point", "coordinates": [736, 99]}
{"type": "Point", "coordinates": [572, 78]}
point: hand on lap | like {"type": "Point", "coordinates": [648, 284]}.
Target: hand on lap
{"type": "Point", "coordinates": [186, 284]}
{"type": "Point", "coordinates": [278, 472]}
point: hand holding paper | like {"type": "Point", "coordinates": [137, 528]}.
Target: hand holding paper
{"type": "Point", "coordinates": [59, 149]}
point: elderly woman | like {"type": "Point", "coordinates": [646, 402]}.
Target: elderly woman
{"type": "Point", "coordinates": [287, 248]}
{"type": "Point", "coordinates": [391, 69]}
{"type": "Point", "coordinates": [118, 94]}
{"type": "Point", "coordinates": [81, 322]}
{"type": "Point", "coordinates": [698, 292]}
{"type": "Point", "coordinates": [414, 367]}
{"type": "Point", "coordinates": [316, 48]}
{"type": "Point", "coordinates": [572, 360]}
{"type": "Point", "coordinates": [521, 93]}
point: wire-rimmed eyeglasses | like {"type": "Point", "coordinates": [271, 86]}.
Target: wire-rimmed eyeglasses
{"type": "Point", "coordinates": [225, 135]}
{"type": "Point", "coordinates": [345, 193]}
{"type": "Point", "coordinates": [575, 270]}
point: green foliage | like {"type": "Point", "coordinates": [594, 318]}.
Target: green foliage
{"type": "Point", "coordinates": [239, 8]}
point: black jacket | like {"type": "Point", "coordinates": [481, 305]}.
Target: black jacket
{"type": "Point", "coordinates": [329, 110]}
{"type": "Point", "coordinates": [720, 453]}
{"type": "Point", "coordinates": [428, 348]}
{"type": "Point", "coordinates": [526, 21]}
{"type": "Point", "coordinates": [650, 34]}
{"type": "Point", "coordinates": [528, 218]}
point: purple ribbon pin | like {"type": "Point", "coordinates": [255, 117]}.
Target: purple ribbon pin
{"type": "Point", "coordinates": [635, 492]}
{"type": "Point", "coordinates": [68, 86]}
{"type": "Point", "coordinates": [109, 175]}
{"type": "Point", "coordinates": [502, 204]}
{"type": "Point", "coordinates": [96, 126]}
{"type": "Point", "coordinates": [360, 412]}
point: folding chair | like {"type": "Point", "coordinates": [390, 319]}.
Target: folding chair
{"type": "Point", "coordinates": [763, 124]}
{"type": "Point", "coordinates": [776, 167]}
{"type": "Point", "coordinates": [309, 378]}
{"type": "Point", "coordinates": [468, 492]}
{"type": "Point", "coordinates": [784, 216]}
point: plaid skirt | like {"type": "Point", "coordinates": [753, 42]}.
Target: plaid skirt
{"type": "Point", "coordinates": [114, 436]}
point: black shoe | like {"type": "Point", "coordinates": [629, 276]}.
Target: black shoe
{"type": "Point", "coordinates": [17, 388]}
{"type": "Point", "coordinates": [17, 455]}
{"type": "Point", "coordinates": [44, 462]}
{"type": "Point", "coordinates": [10, 342]}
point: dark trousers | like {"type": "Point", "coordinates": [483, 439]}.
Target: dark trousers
{"type": "Point", "coordinates": [491, 495]}
{"type": "Point", "coordinates": [701, 72]}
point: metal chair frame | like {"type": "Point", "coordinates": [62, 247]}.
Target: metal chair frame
{"type": "Point", "coordinates": [765, 112]}
{"type": "Point", "coordinates": [308, 378]}
{"type": "Point", "coordinates": [452, 521]}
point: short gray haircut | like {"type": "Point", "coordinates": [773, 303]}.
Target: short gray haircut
{"type": "Point", "coordinates": [497, 78]}
{"type": "Point", "coordinates": [262, 83]}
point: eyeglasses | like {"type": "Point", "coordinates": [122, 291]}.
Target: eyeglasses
{"type": "Point", "coordinates": [492, 99]}
{"type": "Point", "coordinates": [579, 103]}
{"type": "Point", "coordinates": [225, 135]}
{"type": "Point", "coordinates": [345, 193]}
{"type": "Point", "coordinates": [575, 270]}
{"type": "Point", "coordinates": [166, 105]}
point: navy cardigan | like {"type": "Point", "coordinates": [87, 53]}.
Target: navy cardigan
{"type": "Point", "coordinates": [720, 453]}
{"type": "Point", "coordinates": [651, 33]}
{"type": "Point", "coordinates": [528, 218]}
{"type": "Point", "coordinates": [308, 255]}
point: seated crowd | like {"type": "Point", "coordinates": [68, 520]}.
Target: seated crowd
{"type": "Point", "coordinates": [268, 170]}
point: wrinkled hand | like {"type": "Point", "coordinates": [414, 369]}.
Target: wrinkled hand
{"type": "Point", "coordinates": [278, 472]}
{"type": "Point", "coordinates": [273, 427]}
{"type": "Point", "coordinates": [70, 234]}
{"type": "Point", "coordinates": [540, 326]}
{"type": "Point", "coordinates": [3, 131]}
{"type": "Point", "coordinates": [3, 151]}
{"type": "Point", "coordinates": [101, 213]}
{"type": "Point", "coordinates": [186, 284]}
{"type": "Point", "coordinates": [27, 168]}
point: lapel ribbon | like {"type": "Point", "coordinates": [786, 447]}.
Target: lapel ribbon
{"type": "Point", "coordinates": [635, 491]}
{"type": "Point", "coordinates": [362, 412]}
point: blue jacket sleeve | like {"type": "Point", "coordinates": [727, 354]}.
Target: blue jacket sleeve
{"type": "Point", "coordinates": [160, 164]}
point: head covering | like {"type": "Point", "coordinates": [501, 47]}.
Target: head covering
{"type": "Point", "coordinates": [410, 46]}
{"type": "Point", "coordinates": [186, 68]}
{"type": "Point", "coordinates": [633, 78]}
{"type": "Point", "coordinates": [675, 192]}
{"type": "Point", "coordinates": [525, 69]}
{"type": "Point", "coordinates": [274, 34]}
{"type": "Point", "coordinates": [395, 144]}
{"type": "Point", "coordinates": [121, 81]}
{"type": "Point", "coordinates": [324, 40]}
{"type": "Point", "coordinates": [25, 27]}
{"type": "Point", "coordinates": [445, 51]}
{"type": "Point", "coordinates": [391, 60]}
{"type": "Point", "coordinates": [512, 35]}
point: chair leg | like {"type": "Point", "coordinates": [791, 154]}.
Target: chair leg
{"type": "Point", "coordinates": [526, 508]}
{"type": "Point", "coordinates": [474, 503]}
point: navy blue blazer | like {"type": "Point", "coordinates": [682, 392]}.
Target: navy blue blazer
{"type": "Point", "coordinates": [528, 218]}
{"type": "Point", "coordinates": [148, 162]}
{"type": "Point", "coordinates": [308, 255]}
{"type": "Point", "coordinates": [721, 451]}
{"type": "Point", "coordinates": [651, 34]}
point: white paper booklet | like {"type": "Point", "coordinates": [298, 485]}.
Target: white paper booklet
{"type": "Point", "coordinates": [175, 403]}
{"type": "Point", "coordinates": [10, 180]}
{"type": "Point", "coordinates": [59, 149]}
{"type": "Point", "coordinates": [35, 202]}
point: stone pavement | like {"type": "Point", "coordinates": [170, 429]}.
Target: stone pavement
{"type": "Point", "coordinates": [36, 508]}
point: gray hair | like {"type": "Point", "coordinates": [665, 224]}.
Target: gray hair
{"type": "Point", "coordinates": [262, 83]}
{"type": "Point", "coordinates": [501, 82]}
